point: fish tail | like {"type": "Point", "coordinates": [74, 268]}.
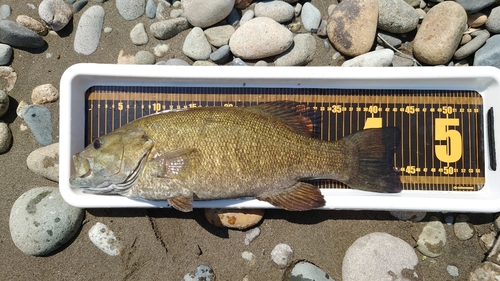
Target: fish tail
{"type": "Point", "coordinates": [374, 170]}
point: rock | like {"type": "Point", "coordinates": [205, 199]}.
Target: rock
{"type": "Point", "coordinates": [138, 35]}
{"type": "Point", "coordinates": [260, 38]}
{"type": "Point", "coordinates": [131, 9]}
{"type": "Point", "coordinates": [472, 6]}
{"type": "Point", "coordinates": [105, 239]}
{"type": "Point", "coordinates": [251, 235]}
{"type": "Point", "coordinates": [55, 13]}
{"type": "Point", "coordinates": [4, 12]}
{"type": "Point", "coordinates": [242, 4]}
{"type": "Point", "coordinates": [466, 38]}
{"type": "Point", "coordinates": [196, 45]}
{"type": "Point", "coordinates": [396, 16]}
{"type": "Point", "coordinates": [248, 15]}
{"type": "Point", "coordinates": [297, 9]}
{"type": "Point", "coordinates": [249, 257]}
{"type": "Point", "coordinates": [176, 13]}
{"type": "Point", "coordinates": [219, 36]}
{"type": "Point", "coordinates": [432, 240]}
{"type": "Point", "coordinates": [372, 59]}
{"type": "Point", "coordinates": [239, 219]}
{"type": "Point", "coordinates": [488, 240]}
{"type": "Point", "coordinates": [44, 94]}
{"type": "Point", "coordinates": [88, 31]}
{"type": "Point", "coordinates": [352, 26]}
{"type": "Point", "coordinates": [203, 63]}
{"type": "Point", "coordinates": [78, 6]}
{"type": "Point", "coordinates": [261, 63]}
{"type": "Point", "coordinates": [301, 53]}
{"type": "Point", "coordinates": [238, 62]}
{"type": "Point", "coordinates": [175, 61]}
{"type": "Point", "coordinates": [462, 228]}
{"type": "Point", "coordinates": [380, 256]}
{"type": "Point", "coordinates": [162, 10]}
{"type": "Point", "coordinates": [202, 273]}
{"type": "Point", "coordinates": [38, 119]}
{"type": "Point", "coordinates": [277, 10]}
{"type": "Point", "coordinates": [202, 13]}
{"type": "Point", "coordinates": [233, 19]}
{"type": "Point", "coordinates": [144, 57]}
{"type": "Point", "coordinates": [489, 54]}
{"type": "Point", "coordinates": [447, 19]}
{"type": "Point", "coordinates": [5, 137]}
{"type": "Point", "coordinates": [485, 271]}
{"type": "Point", "coordinates": [32, 24]}
{"type": "Point", "coordinates": [169, 28]}
{"type": "Point", "coordinates": [387, 39]}
{"type": "Point", "coordinates": [402, 61]}
{"type": "Point", "coordinates": [151, 9]}
{"type": "Point", "coordinates": [413, 3]}
{"type": "Point", "coordinates": [20, 108]}
{"type": "Point", "coordinates": [16, 35]}
{"type": "Point", "coordinates": [322, 29]}
{"type": "Point", "coordinates": [161, 50]}
{"type": "Point", "coordinates": [311, 17]}
{"type": "Point", "coordinates": [408, 215]}
{"type": "Point", "coordinates": [472, 46]}
{"type": "Point", "coordinates": [493, 21]}
{"type": "Point", "coordinates": [476, 19]}
{"type": "Point", "coordinates": [221, 55]}
{"type": "Point", "coordinates": [421, 14]}
{"type": "Point", "coordinates": [41, 221]}
{"type": "Point", "coordinates": [452, 270]}
{"type": "Point", "coordinates": [10, 76]}
{"type": "Point", "coordinates": [44, 161]}
{"type": "Point", "coordinates": [125, 59]}
{"type": "Point", "coordinates": [4, 103]}
{"type": "Point", "coordinates": [305, 271]}
{"type": "Point", "coordinates": [282, 255]}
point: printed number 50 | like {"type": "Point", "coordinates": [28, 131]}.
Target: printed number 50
{"type": "Point", "coordinates": [452, 150]}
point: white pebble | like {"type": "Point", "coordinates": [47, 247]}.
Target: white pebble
{"type": "Point", "coordinates": [282, 255]}
{"type": "Point", "coordinates": [5, 137]}
{"type": "Point", "coordinates": [45, 93]}
{"type": "Point", "coordinates": [161, 50]}
{"type": "Point", "coordinates": [104, 238]}
{"type": "Point", "coordinates": [108, 29]}
{"type": "Point", "coordinates": [251, 235]}
{"type": "Point", "coordinates": [249, 257]}
{"type": "Point", "coordinates": [452, 270]}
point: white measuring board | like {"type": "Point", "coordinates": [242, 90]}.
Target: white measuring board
{"type": "Point", "coordinates": [446, 116]}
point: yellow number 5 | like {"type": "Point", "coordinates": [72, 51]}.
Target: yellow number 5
{"type": "Point", "coordinates": [452, 150]}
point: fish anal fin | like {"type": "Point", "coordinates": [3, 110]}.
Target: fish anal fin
{"type": "Point", "coordinates": [176, 163]}
{"type": "Point", "coordinates": [300, 197]}
{"type": "Point", "coordinates": [182, 203]}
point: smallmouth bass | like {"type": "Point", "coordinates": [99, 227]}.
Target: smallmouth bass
{"type": "Point", "coordinates": [264, 151]}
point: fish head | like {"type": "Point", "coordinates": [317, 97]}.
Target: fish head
{"type": "Point", "coordinates": [112, 163]}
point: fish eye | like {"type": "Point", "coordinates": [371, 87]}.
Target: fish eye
{"type": "Point", "coordinates": [97, 143]}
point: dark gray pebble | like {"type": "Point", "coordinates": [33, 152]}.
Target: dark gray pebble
{"type": "Point", "coordinates": [39, 121]}
{"type": "Point", "coordinates": [78, 6]}
{"type": "Point", "coordinates": [472, 6]}
{"type": "Point", "coordinates": [16, 35]}
{"type": "Point", "coordinates": [221, 55]}
{"type": "Point", "coordinates": [389, 39]}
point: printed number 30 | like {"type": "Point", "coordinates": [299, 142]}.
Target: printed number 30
{"type": "Point", "coordinates": [452, 150]}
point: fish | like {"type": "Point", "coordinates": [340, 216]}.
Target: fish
{"type": "Point", "coordinates": [266, 151]}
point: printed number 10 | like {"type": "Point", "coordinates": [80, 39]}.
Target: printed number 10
{"type": "Point", "coordinates": [452, 150]}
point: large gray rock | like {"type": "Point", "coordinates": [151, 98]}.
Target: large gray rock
{"type": "Point", "coordinates": [277, 10]}
{"type": "Point", "coordinates": [489, 54]}
{"type": "Point", "coordinates": [56, 13]}
{"type": "Point", "coordinates": [432, 239]}
{"type": "Point", "coordinates": [88, 32]}
{"type": "Point", "coordinates": [377, 58]}
{"type": "Point", "coordinates": [202, 13]}
{"type": "Point", "coordinates": [16, 35]}
{"type": "Point", "coordinates": [301, 53]}
{"type": "Point", "coordinates": [472, 6]}
{"type": "Point", "coordinates": [396, 16]}
{"type": "Point", "coordinates": [493, 21]}
{"type": "Point", "coordinates": [45, 162]}
{"type": "Point", "coordinates": [131, 9]}
{"type": "Point", "coordinates": [196, 45]}
{"type": "Point", "coordinates": [167, 29]}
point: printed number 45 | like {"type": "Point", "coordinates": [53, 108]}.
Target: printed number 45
{"type": "Point", "coordinates": [452, 150]}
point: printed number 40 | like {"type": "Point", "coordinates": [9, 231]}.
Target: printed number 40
{"type": "Point", "coordinates": [452, 150]}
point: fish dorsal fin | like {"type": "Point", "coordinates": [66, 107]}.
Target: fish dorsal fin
{"type": "Point", "coordinates": [294, 114]}
{"type": "Point", "coordinates": [300, 197]}
{"type": "Point", "coordinates": [176, 163]}
{"type": "Point", "coordinates": [182, 203]}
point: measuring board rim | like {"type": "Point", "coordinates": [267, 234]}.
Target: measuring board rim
{"type": "Point", "coordinates": [78, 78]}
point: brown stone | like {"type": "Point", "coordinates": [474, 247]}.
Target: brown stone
{"type": "Point", "coordinates": [234, 218]}
{"type": "Point", "coordinates": [242, 4]}
{"type": "Point", "coordinates": [476, 19]}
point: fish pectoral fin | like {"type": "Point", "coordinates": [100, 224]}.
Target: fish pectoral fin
{"type": "Point", "coordinates": [176, 163]}
{"type": "Point", "coordinates": [182, 203]}
{"type": "Point", "coordinates": [300, 197]}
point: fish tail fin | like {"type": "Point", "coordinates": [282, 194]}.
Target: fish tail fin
{"type": "Point", "coordinates": [374, 170]}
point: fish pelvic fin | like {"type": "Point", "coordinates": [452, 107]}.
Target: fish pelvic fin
{"type": "Point", "coordinates": [182, 203]}
{"type": "Point", "coordinates": [300, 197]}
{"type": "Point", "coordinates": [374, 170]}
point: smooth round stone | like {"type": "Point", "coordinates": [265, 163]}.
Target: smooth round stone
{"type": "Point", "coordinates": [352, 26]}
{"type": "Point", "coordinates": [38, 119]}
{"type": "Point", "coordinates": [8, 74]}
{"type": "Point", "coordinates": [282, 255]}
{"type": "Point", "coordinates": [421, 13]}
{"type": "Point", "coordinates": [176, 13]}
{"type": "Point", "coordinates": [238, 62]}
{"type": "Point", "coordinates": [489, 54]}
{"type": "Point", "coordinates": [251, 235]}
{"type": "Point", "coordinates": [466, 38]}
{"type": "Point", "coordinates": [408, 215]}
{"type": "Point", "coordinates": [138, 35]}
{"type": "Point", "coordinates": [413, 3]}
{"type": "Point", "coordinates": [311, 17]}
{"type": "Point", "coordinates": [432, 240]}
{"type": "Point", "coordinates": [167, 29]}
{"type": "Point", "coordinates": [202, 272]}
{"type": "Point", "coordinates": [16, 35]}
{"type": "Point", "coordinates": [488, 240]}
{"type": "Point", "coordinates": [462, 228]}
{"type": "Point", "coordinates": [380, 256]}
{"type": "Point", "coordinates": [485, 271]}
{"type": "Point", "coordinates": [239, 219]}
{"type": "Point", "coordinates": [20, 108]}
{"type": "Point", "coordinates": [131, 9]}
{"type": "Point", "coordinates": [396, 16]}
{"type": "Point", "coordinates": [4, 12]}
{"type": "Point", "coordinates": [55, 13]}
{"type": "Point", "coordinates": [202, 13]}
{"type": "Point", "coordinates": [277, 10]}
{"type": "Point", "coordinates": [301, 53]}
{"type": "Point", "coordinates": [476, 19]}
{"type": "Point", "coordinates": [44, 161]}
{"type": "Point", "coordinates": [221, 55]}
{"type": "Point", "coordinates": [493, 21]}
{"type": "Point", "coordinates": [174, 61]}
{"type": "Point", "coordinates": [204, 63]}
{"type": "Point", "coordinates": [448, 20]}
{"type": "Point", "coordinates": [105, 239]}
{"type": "Point", "coordinates": [377, 58]}
{"type": "Point", "coordinates": [5, 137]}
{"type": "Point", "coordinates": [472, 46]}
{"type": "Point", "coordinates": [88, 32]}
{"type": "Point", "coordinates": [144, 57]}
{"type": "Point", "coordinates": [249, 257]}
{"type": "Point", "coordinates": [78, 5]}
{"type": "Point", "coordinates": [219, 36]}
{"type": "Point", "coordinates": [304, 271]}
{"type": "Point", "coordinates": [5, 54]}
{"type": "Point", "coordinates": [151, 9]}
{"type": "Point", "coordinates": [32, 24]}
{"type": "Point", "coordinates": [297, 9]}
{"type": "Point", "coordinates": [161, 50]}
{"type": "Point", "coordinates": [41, 221]}
{"type": "Point", "coordinates": [452, 270]}
{"type": "Point", "coordinates": [162, 10]}
{"type": "Point", "coordinates": [196, 45]}
{"type": "Point", "coordinates": [45, 93]}
{"type": "Point", "coordinates": [4, 102]}
{"type": "Point", "coordinates": [248, 15]}
{"type": "Point", "coordinates": [260, 38]}
{"type": "Point", "coordinates": [261, 63]}
{"type": "Point", "coordinates": [472, 6]}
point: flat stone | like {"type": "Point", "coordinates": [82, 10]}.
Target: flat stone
{"type": "Point", "coordinates": [5, 54]}
{"type": "Point", "coordinates": [125, 59]}
{"type": "Point", "coordinates": [472, 46]}
{"type": "Point", "coordinates": [493, 21]}
{"type": "Point", "coordinates": [462, 228]}
{"type": "Point", "coordinates": [45, 93]}
{"type": "Point", "coordinates": [162, 10]}
{"type": "Point", "coordinates": [413, 3]}
{"type": "Point", "coordinates": [248, 15]}
{"type": "Point", "coordinates": [4, 12]}
{"type": "Point", "coordinates": [78, 5]}
{"type": "Point", "coordinates": [221, 55]}
{"type": "Point", "coordinates": [38, 119]}
{"type": "Point", "coordinates": [16, 35]}
{"type": "Point", "coordinates": [260, 38]}
{"type": "Point", "coordinates": [485, 271]}
{"type": "Point", "coordinates": [388, 39]}
{"type": "Point", "coordinates": [41, 221]}
{"type": "Point", "coordinates": [55, 13]}
{"type": "Point", "coordinates": [131, 9]}
{"type": "Point", "coordinates": [144, 57]}
{"type": "Point", "coordinates": [218, 36]}
{"type": "Point", "coordinates": [32, 24]}
{"type": "Point", "coordinates": [489, 54]}
{"type": "Point", "coordinates": [138, 35]}
{"type": "Point", "coordinates": [151, 9]}
{"type": "Point", "coordinates": [282, 255]}
{"type": "Point", "coordinates": [311, 17]}
{"type": "Point", "coordinates": [239, 219]}
{"type": "Point", "coordinates": [203, 63]}
{"type": "Point", "coordinates": [279, 11]}
{"type": "Point", "coordinates": [352, 26]}
{"type": "Point", "coordinates": [448, 20]}
{"type": "Point", "coordinates": [4, 102]}
{"type": "Point", "coordinates": [105, 239]}
{"type": "Point", "coordinates": [196, 45]}
{"type": "Point", "coordinates": [476, 19]}
{"type": "Point", "coordinates": [5, 137]}
{"type": "Point", "coordinates": [88, 32]}
{"type": "Point", "coordinates": [202, 13]}
{"type": "Point", "coordinates": [251, 235]}
{"type": "Point", "coordinates": [44, 161]}
{"type": "Point", "coordinates": [238, 62]}
{"type": "Point", "coordinates": [174, 61]}
{"type": "Point", "coordinates": [371, 59]}
{"type": "Point", "coordinates": [432, 239]}
{"type": "Point", "coordinates": [9, 78]}
{"type": "Point", "coordinates": [167, 29]}
{"type": "Point", "coordinates": [202, 273]}
{"type": "Point", "coordinates": [396, 16]}
{"type": "Point", "coordinates": [472, 6]}
{"type": "Point", "coordinates": [305, 271]}
{"type": "Point", "coordinates": [452, 270]}
{"type": "Point", "coordinates": [301, 53]}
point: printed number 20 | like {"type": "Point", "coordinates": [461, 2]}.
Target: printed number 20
{"type": "Point", "coordinates": [452, 150]}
